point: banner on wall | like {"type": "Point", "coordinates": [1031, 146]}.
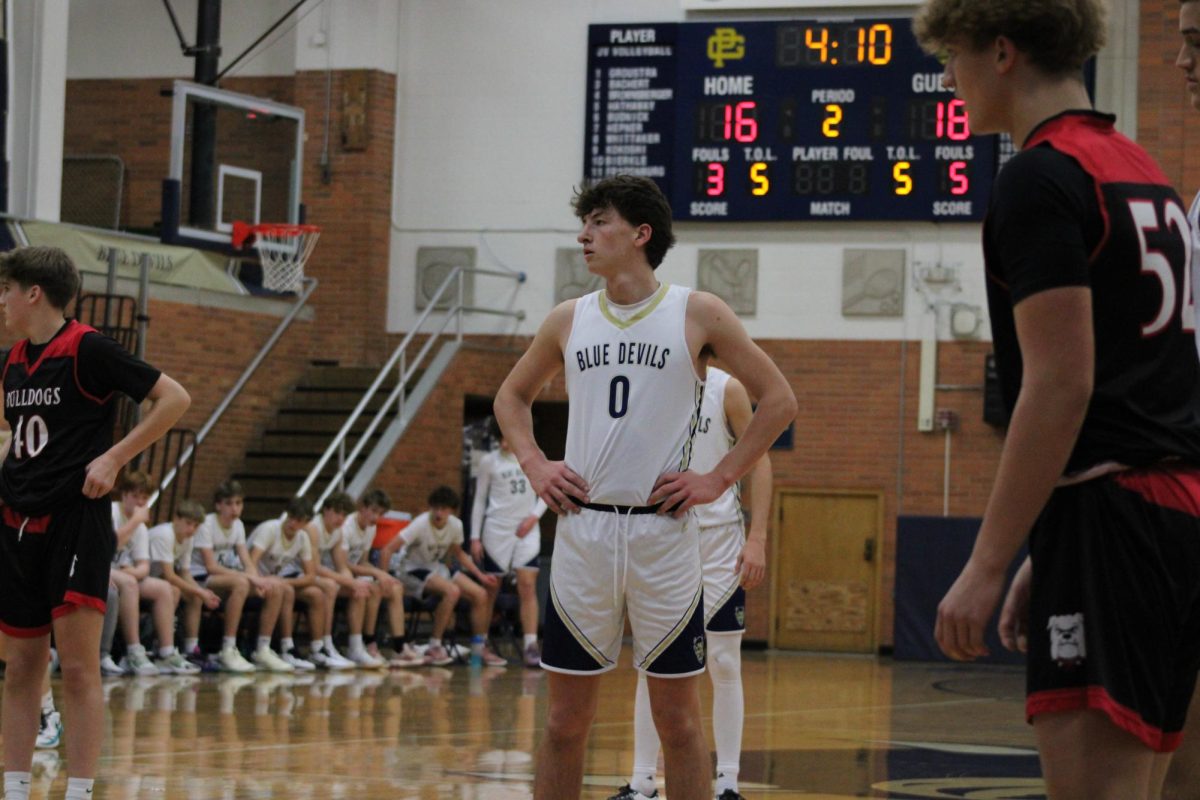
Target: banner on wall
{"type": "Point", "coordinates": [169, 264]}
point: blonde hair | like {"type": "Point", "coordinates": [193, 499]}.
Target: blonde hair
{"type": "Point", "coordinates": [1057, 35]}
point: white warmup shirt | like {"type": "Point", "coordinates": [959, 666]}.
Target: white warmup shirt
{"type": "Point", "coordinates": [164, 547]}
{"type": "Point", "coordinates": [281, 556]}
{"type": "Point", "coordinates": [222, 541]}
{"type": "Point", "coordinates": [137, 546]}
{"type": "Point", "coordinates": [426, 545]}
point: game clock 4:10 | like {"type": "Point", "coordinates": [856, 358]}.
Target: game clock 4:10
{"type": "Point", "coordinates": [741, 123]}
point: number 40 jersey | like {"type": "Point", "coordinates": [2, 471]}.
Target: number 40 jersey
{"type": "Point", "coordinates": [634, 397]}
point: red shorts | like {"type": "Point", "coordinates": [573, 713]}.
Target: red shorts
{"type": "Point", "coordinates": [53, 564]}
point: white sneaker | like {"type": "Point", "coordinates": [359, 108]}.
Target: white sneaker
{"type": "Point", "coordinates": [110, 668]}
{"type": "Point", "coordinates": [364, 659]}
{"type": "Point", "coordinates": [176, 664]}
{"type": "Point", "coordinates": [136, 662]}
{"type": "Point", "coordinates": [266, 658]}
{"type": "Point", "coordinates": [335, 660]}
{"type": "Point", "coordinates": [50, 730]}
{"type": "Point", "coordinates": [298, 663]}
{"type": "Point", "coordinates": [231, 660]}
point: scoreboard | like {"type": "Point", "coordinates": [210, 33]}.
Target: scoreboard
{"type": "Point", "coordinates": [784, 120]}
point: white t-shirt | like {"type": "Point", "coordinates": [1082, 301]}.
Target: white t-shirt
{"type": "Point", "coordinates": [222, 541]}
{"type": "Point", "coordinates": [326, 541]}
{"type": "Point", "coordinates": [281, 556]}
{"type": "Point", "coordinates": [165, 547]}
{"type": "Point", "coordinates": [357, 540]}
{"type": "Point", "coordinates": [137, 547]}
{"type": "Point", "coordinates": [427, 545]}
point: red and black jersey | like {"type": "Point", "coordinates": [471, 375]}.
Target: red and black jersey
{"type": "Point", "coordinates": [1082, 205]}
{"type": "Point", "coordinates": [59, 402]}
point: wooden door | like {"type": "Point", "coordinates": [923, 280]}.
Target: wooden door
{"type": "Point", "coordinates": [825, 583]}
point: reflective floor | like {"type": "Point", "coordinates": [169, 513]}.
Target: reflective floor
{"type": "Point", "coordinates": [816, 727]}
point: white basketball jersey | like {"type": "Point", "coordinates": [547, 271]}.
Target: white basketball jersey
{"type": "Point", "coordinates": [713, 441]}
{"type": "Point", "coordinates": [634, 395]}
{"type": "Point", "coordinates": [503, 495]}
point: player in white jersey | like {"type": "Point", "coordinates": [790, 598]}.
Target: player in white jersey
{"type": "Point", "coordinates": [505, 536]}
{"type": "Point", "coordinates": [325, 531]}
{"type": "Point", "coordinates": [131, 562]}
{"type": "Point", "coordinates": [732, 563]}
{"type": "Point", "coordinates": [170, 546]}
{"type": "Point", "coordinates": [282, 548]}
{"type": "Point", "coordinates": [633, 354]}
{"type": "Point", "coordinates": [427, 544]}
{"type": "Point", "coordinates": [358, 537]}
{"type": "Point", "coordinates": [220, 552]}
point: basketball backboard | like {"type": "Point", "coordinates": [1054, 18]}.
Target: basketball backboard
{"type": "Point", "coordinates": [254, 173]}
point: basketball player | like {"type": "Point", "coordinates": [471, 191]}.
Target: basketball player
{"type": "Point", "coordinates": [1086, 248]}
{"type": "Point", "coordinates": [505, 536]}
{"type": "Point", "coordinates": [732, 564]}
{"type": "Point", "coordinates": [56, 534]}
{"type": "Point", "coordinates": [325, 530]}
{"type": "Point", "coordinates": [633, 353]}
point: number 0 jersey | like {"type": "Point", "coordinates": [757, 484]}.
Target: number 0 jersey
{"type": "Point", "coordinates": [1082, 205]}
{"type": "Point", "coordinates": [59, 403]}
{"type": "Point", "coordinates": [634, 395]}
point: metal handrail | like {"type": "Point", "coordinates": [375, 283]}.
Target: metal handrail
{"type": "Point", "coordinates": [407, 369]}
{"type": "Point", "coordinates": [309, 285]}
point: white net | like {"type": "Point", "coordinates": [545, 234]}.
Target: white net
{"type": "Point", "coordinates": [283, 251]}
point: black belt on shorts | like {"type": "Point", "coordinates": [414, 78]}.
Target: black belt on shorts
{"type": "Point", "coordinates": [616, 509]}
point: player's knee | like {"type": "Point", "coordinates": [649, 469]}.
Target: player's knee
{"type": "Point", "coordinates": [452, 594]}
{"type": "Point", "coordinates": [240, 589]}
{"type": "Point", "coordinates": [567, 724]}
{"type": "Point", "coordinates": [724, 666]}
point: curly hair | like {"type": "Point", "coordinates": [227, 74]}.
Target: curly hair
{"type": "Point", "coordinates": [1057, 35]}
{"type": "Point", "coordinates": [639, 201]}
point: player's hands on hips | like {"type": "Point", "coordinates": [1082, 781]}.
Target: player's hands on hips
{"type": "Point", "coordinates": [100, 476]}
{"type": "Point", "coordinates": [752, 563]}
{"type": "Point", "coordinates": [477, 550]}
{"type": "Point", "coordinates": [526, 526]}
{"type": "Point", "coordinates": [679, 491]}
{"type": "Point", "coordinates": [964, 612]}
{"type": "Point", "coordinates": [1014, 616]}
{"type": "Point", "coordinates": [559, 485]}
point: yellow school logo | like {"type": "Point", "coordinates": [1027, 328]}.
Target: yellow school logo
{"type": "Point", "coordinates": [726, 44]}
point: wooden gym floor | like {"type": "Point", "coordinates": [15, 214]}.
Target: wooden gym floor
{"type": "Point", "coordinates": [818, 727]}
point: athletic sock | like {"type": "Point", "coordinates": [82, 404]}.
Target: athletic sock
{"type": "Point", "coordinates": [727, 781]}
{"type": "Point", "coordinates": [286, 645]}
{"type": "Point", "coordinates": [48, 702]}
{"type": "Point", "coordinates": [728, 708]}
{"type": "Point", "coordinates": [317, 646]}
{"type": "Point", "coordinates": [530, 640]}
{"type": "Point", "coordinates": [191, 645]}
{"type": "Point", "coordinates": [356, 643]}
{"type": "Point", "coordinates": [229, 643]}
{"type": "Point", "coordinates": [79, 788]}
{"type": "Point", "coordinates": [166, 652]}
{"type": "Point", "coordinates": [16, 785]}
{"type": "Point", "coordinates": [645, 741]}
{"type": "Point", "coordinates": [329, 648]}
{"type": "Point", "coordinates": [264, 643]}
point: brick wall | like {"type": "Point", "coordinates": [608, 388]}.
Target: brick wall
{"type": "Point", "coordinates": [1168, 126]}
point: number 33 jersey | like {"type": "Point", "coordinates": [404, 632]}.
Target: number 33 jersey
{"type": "Point", "coordinates": [634, 396]}
{"type": "Point", "coordinates": [59, 401]}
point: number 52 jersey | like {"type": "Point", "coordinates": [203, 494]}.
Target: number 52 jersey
{"type": "Point", "coordinates": [634, 397]}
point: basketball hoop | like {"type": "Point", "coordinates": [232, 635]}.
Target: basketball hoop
{"type": "Point", "coordinates": [283, 250]}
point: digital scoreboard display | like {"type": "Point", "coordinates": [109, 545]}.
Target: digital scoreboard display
{"type": "Point", "coordinates": [784, 120]}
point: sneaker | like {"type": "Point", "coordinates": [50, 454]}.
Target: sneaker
{"type": "Point", "coordinates": [364, 659]}
{"type": "Point", "coordinates": [196, 657]}
{"type": "Point", "coordinates": [336, 661]}
{"type": "Point", "coordinates": [405, 657]}
{"type": "Point", "coordinates": [110, 668]}
{"type": "Point", "coordinates": [231, 660]}
{"type": "Point", "coordinates": [437, 656]}
{"type": "Point", "coordinates": [628, 793]}
{"type": "Point", "coordinates": [298, 663]}
{"type": "Point", "coordinates": [730, 794]}
{"type": "Point", "coordinates": [50, 731]}
{"type": "Point", "coordinates": [459, 652]}
{"type": "Point", "coordinates": [266, 658]}
{"type": "Point", "coordinates": [176, 664]}
{"type": "Point", "coordinates": [492, 659]}
{"type": "Point", "coordinates": [532, 656]}
{"type": "Point", "coordinates": [136, 662]}
{"type": "Point", "coordinates": [410, 650]}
